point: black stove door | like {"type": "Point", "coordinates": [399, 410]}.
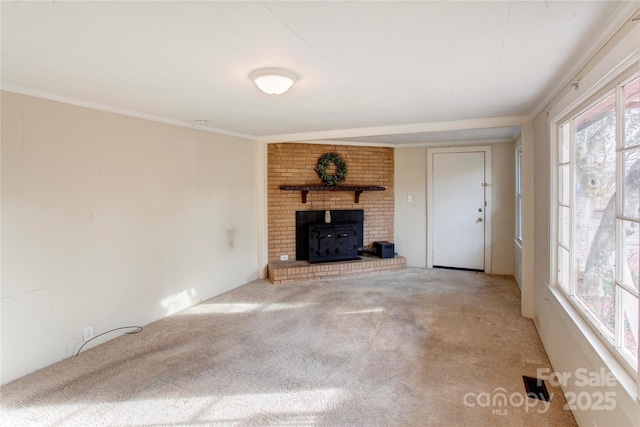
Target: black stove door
{"type": "Point", "coordinates": [333, 242]}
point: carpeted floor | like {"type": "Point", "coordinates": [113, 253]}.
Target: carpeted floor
{"type": "Point", "coordinates": [411, 348]}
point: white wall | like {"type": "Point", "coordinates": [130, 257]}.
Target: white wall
{"type": "Point", "coordinates": [567, 340]}
{"type": "Point", "coordinates": [411, 218]}
{"type": "Point", "coordinates": [113, 221]}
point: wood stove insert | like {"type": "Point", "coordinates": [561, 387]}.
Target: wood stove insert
{"type": "Point", "coordinates": [339, 240]}
{"type": "Point", "coordinates": [333, 242]}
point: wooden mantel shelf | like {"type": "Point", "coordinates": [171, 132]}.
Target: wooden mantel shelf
{"type": "Point", "coordinates": [357, 189]}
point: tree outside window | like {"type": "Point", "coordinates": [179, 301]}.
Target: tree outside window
{"type": "Point", "coordinates": [598, 207]}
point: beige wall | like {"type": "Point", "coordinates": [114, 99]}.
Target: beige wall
{"type": "Point", "coordinates": [113, 221]}
{"type": "Point", "coordinates": [411, 217]}
{"type": "Point", "coordinates": [568, 341]}
{"type": "Point", "coordinates": [503, 212]}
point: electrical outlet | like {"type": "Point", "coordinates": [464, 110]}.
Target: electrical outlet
{"type": "Point", "coordinates": [410, 199]}
{"type": "Point", "coordinates": [284, 257]}
{"type": "Point", "coordinates": [88, 333]}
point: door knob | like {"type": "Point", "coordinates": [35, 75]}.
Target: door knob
{"type": "Point", "coordinates": [479, 209]}
{"type": "Point", "coordinates": [479, 220]}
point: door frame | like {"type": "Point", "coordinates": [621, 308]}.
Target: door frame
{"type": "Point", "coordinates": [487, 197]}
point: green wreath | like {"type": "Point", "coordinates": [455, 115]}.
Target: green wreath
{"type": "Point", "coordinates": [324, 162]}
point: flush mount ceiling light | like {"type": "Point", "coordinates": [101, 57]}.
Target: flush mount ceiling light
{"type": "Point", "coordinates": [273, 81]}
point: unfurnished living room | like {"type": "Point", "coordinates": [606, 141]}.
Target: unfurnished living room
{"type": "Point", "coordinates": [320, 213]}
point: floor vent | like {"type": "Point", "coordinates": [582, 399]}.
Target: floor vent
{"type": "Point", "coordinates": [536, 388]}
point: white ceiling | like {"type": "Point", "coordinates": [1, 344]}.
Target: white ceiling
{"type": "Point", "coordinates": [370, 72]}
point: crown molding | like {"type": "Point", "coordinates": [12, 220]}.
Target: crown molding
{"type": "Point", "coordinates": [343, 142]}
{"type": "Point", "coordinates": [469, 124]}
{"type": "Point", "coordinates": [461, 143]}
{"type": "Point", "coordinates": [334, 137]}
{"type": "Point", "coordinates": [52, 96]}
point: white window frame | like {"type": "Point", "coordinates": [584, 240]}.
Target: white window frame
{"type": "Point", "coordinates": [616, 79]}
{"type": "Point", "coordinates": [519, 225]}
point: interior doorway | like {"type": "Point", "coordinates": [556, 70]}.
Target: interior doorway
{"type": "Point", "coordinates": [458, 208]}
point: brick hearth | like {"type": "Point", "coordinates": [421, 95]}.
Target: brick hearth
{"type": "Point", "coordinates": [281, 272]}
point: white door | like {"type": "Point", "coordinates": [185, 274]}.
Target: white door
{"type": "Point", "coordinates": [458, 220]}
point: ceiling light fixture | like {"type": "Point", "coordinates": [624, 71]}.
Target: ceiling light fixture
{"type": "Point", "coordinates": [273, 81]}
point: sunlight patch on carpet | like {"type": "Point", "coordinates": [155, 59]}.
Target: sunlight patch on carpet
{"type": "Point", "coordinates": [303, 405]}
{"type": "Point", "coordinates": [271, 404]}
{"type": "Point", "coordinates": [235, 308]}
{"type": "Point", "coordinates": [371, 310]}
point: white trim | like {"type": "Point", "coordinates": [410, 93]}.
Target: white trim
{"type": "Point", "coordinates": [519, 223]}
{"type": "Point", "coordinates": [436, 144]}
{"type": "Point", "coordinates": [528, 222]}
{"type": "Point", "coordinates": [553, 200]}
{"type": "Point", "coordinates": [51, 96]}
{"type": "Point", "coordinates": [487, 227]}
{"type": "Point", "coordinates": [482, 123]}
{"type": "Point", "coordinates": [263, 209]}
{"type": "Point", "coordinates": [340, 142]}
{"type": "Point", "coordinates": [460, 143]}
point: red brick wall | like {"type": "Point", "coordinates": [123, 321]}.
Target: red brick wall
{"type": "Point", "coordinates": [294, 164]}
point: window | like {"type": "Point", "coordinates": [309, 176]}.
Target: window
{"type": "Point", "coordinates": [519, 193]}
{"type": "Point", "coordinates": [597, 206]}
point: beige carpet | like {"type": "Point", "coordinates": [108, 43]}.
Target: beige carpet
{"type": "Point", "coordinates": [410, 348]}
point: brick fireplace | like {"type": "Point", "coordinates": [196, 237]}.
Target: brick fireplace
{"type": "Point", "coordinates": [294, 164]}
